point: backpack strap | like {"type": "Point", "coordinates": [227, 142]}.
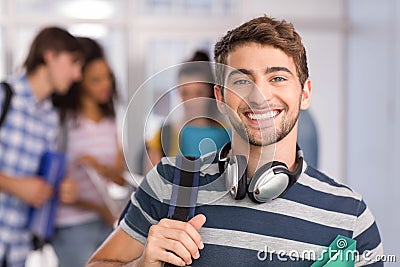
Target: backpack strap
{"type": "Point", "coordinates": [185, 188]}
{"type": "Point", "coordinates": [7, 101]}
{"type": "Point", "coordinates": [165, 139]}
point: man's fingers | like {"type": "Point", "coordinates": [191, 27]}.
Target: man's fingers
{"type": "Point", "coordinates": [187, 241]}
{"type": "Point", "coordinates": [187, 227]}
{"type": "Point", "coordinates": [179, 250]}
{"type": "Point", "coordinates": [46, 193]}
{"type": "Point", "coordinates": [179, 241]}
{"type": "Point", "coordinates": [170, 257]}
{"type": "Point", "coordinates": [198, 221]}
{"type": "Point", "coordinates": [185, 235]}
{"type": "Point", "coordinates": [43, 194]}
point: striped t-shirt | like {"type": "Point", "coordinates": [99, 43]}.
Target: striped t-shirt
{"type": "Point", "coordinates": [292, 230]}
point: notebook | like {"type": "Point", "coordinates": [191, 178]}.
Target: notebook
{"type": "Point", "coordinates": [52, 169]}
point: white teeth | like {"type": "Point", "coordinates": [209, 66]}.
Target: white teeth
{"type": "Point", "coordinates": [262, 116]}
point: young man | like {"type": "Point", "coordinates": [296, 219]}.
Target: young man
{"type": "Point", "coordinates": [274, 214]}
{"type": "Point", "coordinates": [30, 127]}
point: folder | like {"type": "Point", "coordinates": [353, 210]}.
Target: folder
{"type": "Point", "coordinates": [340, 253]}
{"type": "Point", "coordinates": [41, 220]}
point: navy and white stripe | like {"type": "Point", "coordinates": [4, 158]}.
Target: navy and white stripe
{"type": "Point", "coordinates": [307, 218]}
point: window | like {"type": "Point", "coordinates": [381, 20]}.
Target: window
{"type": "Point", "coordinates": [188, 7]}
{"type": "Point", "coordinates": [74, 9]}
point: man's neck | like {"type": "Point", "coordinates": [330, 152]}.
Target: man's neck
{"type": "Point", "coordinates": [40, 84]}
{"type": "Point", "coordinates": [283, 151]}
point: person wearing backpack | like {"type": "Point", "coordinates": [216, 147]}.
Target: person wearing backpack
{"type": "Point", "coordinates": [30, 128]}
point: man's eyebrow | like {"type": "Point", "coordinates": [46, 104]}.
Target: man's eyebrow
{"type": "Point", "coordinates": [250, 72]}
{"type": "Point", "coordinates": [276, 69]}
{"type": "Point", "coordinates": [239, 72]}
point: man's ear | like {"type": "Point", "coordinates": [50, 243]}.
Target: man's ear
{"type": "Point", "coordinates": [219, 96]}
{"type": "Point", "coordinates": [48, 56]}
{"type": "Point", "coordinates": [306, 95]}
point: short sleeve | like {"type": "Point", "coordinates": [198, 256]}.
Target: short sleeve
{"type": "Point", "coordinates": [366, 233]}
{"type": "Point", "coordinates": [149, 204]}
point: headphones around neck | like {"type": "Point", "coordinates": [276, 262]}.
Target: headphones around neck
{"type": "Point", "coordinates": [269, 182]}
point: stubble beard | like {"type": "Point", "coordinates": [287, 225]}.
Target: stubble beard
{"type": "Point", "coordinates": [268, 136]}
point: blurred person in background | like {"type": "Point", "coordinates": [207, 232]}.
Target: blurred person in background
{"type": "Point", "coordinates": [90, 132]}
{"type": "Point", "coordinates": [307, 137]}
{"type": "Point", "coordinates": [201, 118]}
{"type": "Point", "coordinates": [29, 129]}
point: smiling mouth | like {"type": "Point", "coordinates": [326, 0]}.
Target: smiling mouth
{"type": "Point", "coordinates": [262, 116]}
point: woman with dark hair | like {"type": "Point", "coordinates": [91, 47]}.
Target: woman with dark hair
{"type": "Point", "coordinates": [91, 144]}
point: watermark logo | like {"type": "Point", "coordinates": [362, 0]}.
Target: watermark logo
{"type": "Point", "coordinates": [341, 243]}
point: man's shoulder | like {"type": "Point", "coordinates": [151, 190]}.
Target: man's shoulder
{"type": "Point", "coordinates": [18, 83]}
{"type": "Point", "coordinates": [316, 190]}
{"type": "Point", "coordinates": [206, 165]}
{"type": "Point", "coordinates": [323, 184]}
{"type": "Point", "coordinates": [323, 177]}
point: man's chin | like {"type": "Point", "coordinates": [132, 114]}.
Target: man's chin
{"type": "Point", "coordinates": [261, 143]}
{"type": "Point", "coordinates": [62, 91]}
{"type": "Point", "coordinates": [262, 138]}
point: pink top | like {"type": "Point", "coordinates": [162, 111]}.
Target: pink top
{"type": "Point", "coordinates": [99, 140]}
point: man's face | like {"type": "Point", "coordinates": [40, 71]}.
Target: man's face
{"type": "Point", "coordinates": [195, 97]}
{"type": "Point", "coordinates": [64, 68]}
{"type": "Point", "coordinates": [262, 93]}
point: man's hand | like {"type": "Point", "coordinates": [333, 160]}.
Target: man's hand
{"type": "Point", "coordinates": [174, 242]}
{"type": "Point", "coordinates": [33, 190]}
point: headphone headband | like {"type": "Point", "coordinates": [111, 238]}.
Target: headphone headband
{"type": "Point", "coordinates": [222, 157]}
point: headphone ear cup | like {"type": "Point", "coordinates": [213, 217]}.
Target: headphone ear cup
{"type": "Point", "coordinates": [241, 163]}
{"type": "Point", "coordinates": [269, 182]}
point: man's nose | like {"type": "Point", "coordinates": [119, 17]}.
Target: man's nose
{"type": "Point", "coordinates": [260, 94]}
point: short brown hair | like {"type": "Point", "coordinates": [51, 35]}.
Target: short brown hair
{"type": "Point", "coordinates": [265, 31]}
{"type": "Point", "coordinates": [49, 38]}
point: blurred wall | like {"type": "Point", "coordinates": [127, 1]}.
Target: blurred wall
{"type": "Point", "coordinates": [373, 116]}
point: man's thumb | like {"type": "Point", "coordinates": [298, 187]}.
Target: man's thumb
{"type": "Point", "coordinates": [198, 221]}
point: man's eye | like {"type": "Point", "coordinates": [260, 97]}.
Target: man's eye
{"type": "Point", "coordinates": [241, 82]}
{"type": "Point", "coordinates": [278, 79]}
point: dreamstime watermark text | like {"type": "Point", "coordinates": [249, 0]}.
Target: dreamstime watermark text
{"type": "Point", "coordinates": [268, 254]}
